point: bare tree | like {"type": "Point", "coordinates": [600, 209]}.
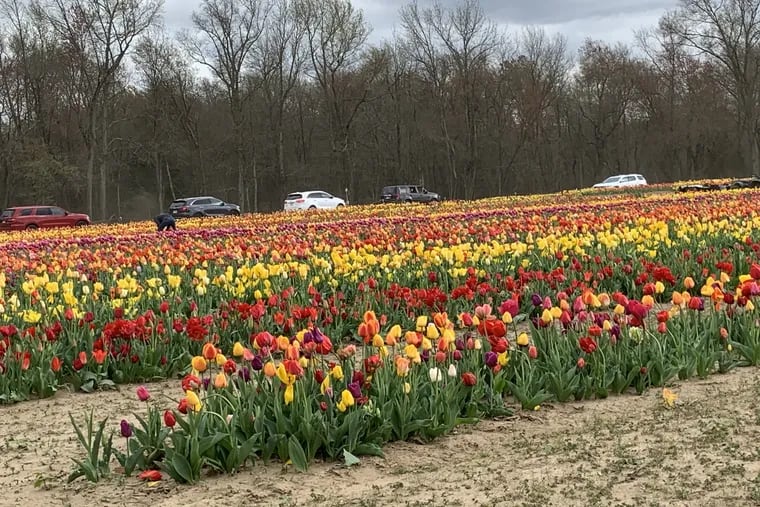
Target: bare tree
{"type": "Point", "coordinates": [466, 40]}
{"type": "Point", "coordinates": [336, 34]}
{"type": "Point", "coordinates": [97, 35]}
{"type": "Point", "coordinates": [728, 32]}
{"type": "Point", "coordinates": [604, 89]}
{"type": "Point", "coordinates": [282, 58]}
{"type": "Point", "coordinates": [228, 32]}
{"type": "Point", "coordinates": [160, 68]}
{"type": "Point", "coordinates": [423, 49]}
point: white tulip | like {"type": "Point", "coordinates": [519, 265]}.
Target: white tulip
{"type": "Point", "coordinates": [435, 374]}
{"type": "Point", "coordinates": [452, 371]}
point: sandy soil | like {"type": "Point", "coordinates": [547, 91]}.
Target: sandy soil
{"type": "Point", "coordinates": [627, 450]}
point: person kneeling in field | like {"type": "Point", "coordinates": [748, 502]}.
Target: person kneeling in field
{"type": "Point", "coordinates": [165, 221]}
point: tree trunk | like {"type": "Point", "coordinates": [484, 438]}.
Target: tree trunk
{"type": "Point", "coordinates": [91, 164]}
{"type": "Point", "coordinates": [255, 185]}
{"type": "Point", "coordinates": [159, 179]}
{"type": "Point", "coordinates": [280, 159]}
{"type": "Point", "coordinates": [104, 163]}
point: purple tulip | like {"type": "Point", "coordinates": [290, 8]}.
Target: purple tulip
{"type": "Point", "coordinates": [536, 300]}
{"type": "Point", "coordinates": [491, 359]}
{"type": "Point", "coordinates": [126, 428]}
{"type": "Point", "coordinates": [355, 389]}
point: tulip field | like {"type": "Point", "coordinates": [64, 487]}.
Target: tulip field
{"type": "Point", "coordinates": [324, 336]}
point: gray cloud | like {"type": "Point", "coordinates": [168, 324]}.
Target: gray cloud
{"type": "Point", "coordinates": [608, 20]}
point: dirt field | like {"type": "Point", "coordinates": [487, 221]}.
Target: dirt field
{"type": "Point", "coordinates": [626, 450]}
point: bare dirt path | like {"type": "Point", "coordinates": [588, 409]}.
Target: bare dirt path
{"type": "Point", "coordinates": [626, 450]}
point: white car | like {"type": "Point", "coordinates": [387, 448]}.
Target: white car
{"type": "Point", "coordinates": [622, 180]}
{"type": "Point", "coordinates": [313, 199]}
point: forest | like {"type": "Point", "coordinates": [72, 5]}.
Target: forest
{"type": "Point", "coordinates": [104, 111]}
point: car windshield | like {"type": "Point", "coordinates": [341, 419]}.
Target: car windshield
{"type": "Point", "coordinates": [612, 179]}
{"type": "Point", "coordinates": [293, 197]}
{"type": "Point", "coordinates": [7, 213]}
{"type": "Point", "coordinates": [388, 190]}
{"type": "Point", "coordinates": [178, 202]}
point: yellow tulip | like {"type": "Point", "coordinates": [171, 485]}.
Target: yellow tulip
{"type": "Point", "coordinates": [407, 388]}
{"type": "Point", "coordinates": [283, 375]}
{"type": "Point", "coordinates": [507, 318]}
{"type": "Point", "coordinates": [193, 401]}
{"type": "Point", "coordinates": [238, 350]}
{"type": "Point", "coordinates": [347, 398]}
{"type": "Point", "coordinates": [523, 339]}
{"type": "Point", "coordinates": [289, 394]}
{"type": "Point", "coordinates": [220, 359]}
{"type": "Point", "coordinates": [337, 372]}
{"type": "Point", "coordinates": [199, 364]}
{"type": "Point", "coordinates": [546, 317]}
{"type": "Point", "coordinates": [377, 341]}
{"type": "Point", "coordinates": [325, 385]}
{"type": "Point", "coordinates": [395, 332]}
{"type": "Point", "coordinates": [432, 332]}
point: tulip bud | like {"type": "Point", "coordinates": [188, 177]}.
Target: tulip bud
{"type": "Point", "coordinates": [169, 419]}
{"type": "Point", "coordinates": [126, 429]}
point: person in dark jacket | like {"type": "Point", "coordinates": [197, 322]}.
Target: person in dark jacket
{"type": "Point", "coordinates": [165, 221]}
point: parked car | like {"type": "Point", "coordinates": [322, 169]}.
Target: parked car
{"type": "Point", "coordinates": [205, 206]}
{"type": "Point", "coordinates": [312, 199]}
{"type": "Point", "coordinates": [408, 194]}
{"type": "Point", "coordinates": [35, 217]}
{"type": "Point", "coordinates": [622, 180]}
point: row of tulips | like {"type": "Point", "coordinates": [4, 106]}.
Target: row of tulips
{"type": "Point", "coordinates": [297, 399]}
{"type": "Point", "coordinates": [96, 308]}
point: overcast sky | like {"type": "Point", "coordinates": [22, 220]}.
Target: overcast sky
{"type": "Point", "coordinates": [608, 20]}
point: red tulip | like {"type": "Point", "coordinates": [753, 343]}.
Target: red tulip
{"type": "Point", "coordinates": [150, 475]}
{"type": "Point", "coordinates": [169, 419]}
{"type": "Point", "coordinates": [469, 379]}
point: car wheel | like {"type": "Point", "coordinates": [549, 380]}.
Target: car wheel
{"type": "Point", "coordinates": [197, 215]}
{"type": "Point", "coordinates": [339, 206]}
{"type": "Point", "coordinates": [81, 223]}
{"type": "Point", "coordinates": [408, 201]}
{"type": "Point", "coordinates": [235, 213]}
{"type": "Point", "coordinates": [31, 227]}
{"type": "Point", "coordinates": [312, 207]}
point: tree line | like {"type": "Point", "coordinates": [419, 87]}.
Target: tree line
{"type": "Point", "coordinates": [102, 110]}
